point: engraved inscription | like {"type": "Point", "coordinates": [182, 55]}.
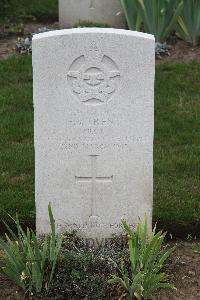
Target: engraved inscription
{"type": "Point", "coordinates": [94, 179]}
{"type": "Point", "coordinates": [93, 77]}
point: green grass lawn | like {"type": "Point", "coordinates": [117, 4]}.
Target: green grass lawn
{"type": "Point", "coordinates": [177, 147]}
{"type": "Point", "coordinates": [176, 151]}
{"type": "Point", "coordinates": [16, 139]}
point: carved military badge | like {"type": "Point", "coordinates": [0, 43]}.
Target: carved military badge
{"type": "Point", "coordinates": [93, 77]}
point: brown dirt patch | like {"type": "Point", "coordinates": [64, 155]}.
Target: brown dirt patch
{"type": "Point", "coordinates": [183, 269]}
{"type": "Point", "coordinates": [8, 291]}
{"type": "Point", "coordinates": [7, 46]}
{"type": "Point", "coordinates": [184, 272]}
{"type": "Point", "coordinates": [8, 40]}
{"type": "Point", "coordinates": [180, 50]}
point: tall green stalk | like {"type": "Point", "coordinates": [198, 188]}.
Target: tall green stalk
{"type": "Point", "coordinates": [131, 13]}
{"type": "Point", "coordinates": [158, 16]}
{"type": "Point", "coordinates": [188, 27]}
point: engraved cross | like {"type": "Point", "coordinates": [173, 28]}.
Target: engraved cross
{"type": "Point", "coordinates": [94, 179]}
{"type": "Point", "coordinates": [92, 4]}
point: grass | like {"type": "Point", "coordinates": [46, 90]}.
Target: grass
{"type": "Point", "coordinates": [176, 151]}
{"type": "Point", "coordinates": [22, 10]}
{"type": "Point", "coordinates": [16, 139]}
{"type": "Point", "coordinates": [177, 145]}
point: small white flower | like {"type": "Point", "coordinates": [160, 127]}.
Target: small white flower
{"type": "Point", "coordinates": [23, 276]}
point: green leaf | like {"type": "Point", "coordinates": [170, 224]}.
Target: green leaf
{"type": "Point", "coordinates": [28, 257]}
{"type": "Point", "coordinates": [188, 22]}
{"type": "Point", "coordinates": [146, 259]}
{"type": "Point", "coordinates": [131, 13]}
{"type": "Point", "coordinates": [158, 16]}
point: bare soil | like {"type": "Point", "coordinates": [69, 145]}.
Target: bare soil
{"type": "Point", "coordinates": [183, 270]}
{"type": "Point", "coordinates": [8, 40]}
{"type": "Point", "coordinates": [180, 50]}
{"type": "Point", "coordinates": [7, 46]}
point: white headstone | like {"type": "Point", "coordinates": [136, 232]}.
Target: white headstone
{"type": "Point", "coordinates": [110, 12]}
{"type": "Point", "coordinates": [94, 120]}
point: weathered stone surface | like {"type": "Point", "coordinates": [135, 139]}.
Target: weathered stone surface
{"type": "Point", "coordinates": [94, 115]}
{"type": "Point", "coordinates": [110, 12]}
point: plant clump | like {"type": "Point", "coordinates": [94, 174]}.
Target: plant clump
{"type": "Point", "coordinates": [162, 50]}
{"type": "Point", "coordinates": [24, 44]}
{"type": "Point", "coordinates": [66, 266]}
{"type": "Point", "coordinates": [145, 274]}
{"type": "Point", "coordinates": [29, 261]}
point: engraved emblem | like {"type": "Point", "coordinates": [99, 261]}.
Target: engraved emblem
{"type": "Point", "coordinates": [93, 77]}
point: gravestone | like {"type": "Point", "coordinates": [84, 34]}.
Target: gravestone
{"type": "Point", "coordinates": [94, 114]}
{"type": "Point", "coordinates": [110, 12]}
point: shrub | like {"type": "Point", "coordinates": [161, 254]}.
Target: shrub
{"type": "Point", "coordinates": [158, 16]}
{"type": "Point", "coordinates": [24, 45]}
{"type": "Point", "coordinates": [28, 261]}
{"type": "Point", "coordinates": [22, 10]}
{"type": "Point", "coordinates": [188, 27]}
{"type": "Point", "coordinates": [162, 50]}
{"type": "Point", "coordinates": [146, 261]}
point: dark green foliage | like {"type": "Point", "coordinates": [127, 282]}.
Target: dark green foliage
{"type": "Point", "coordinates": [188, 27]}
{"type": "Point", "coordinates": [22, 10]}
{"type": "Point", "coordinates": [91, 24]}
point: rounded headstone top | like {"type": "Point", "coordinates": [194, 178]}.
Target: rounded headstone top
{"type": "Point", "coordinates": [64, 32]}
